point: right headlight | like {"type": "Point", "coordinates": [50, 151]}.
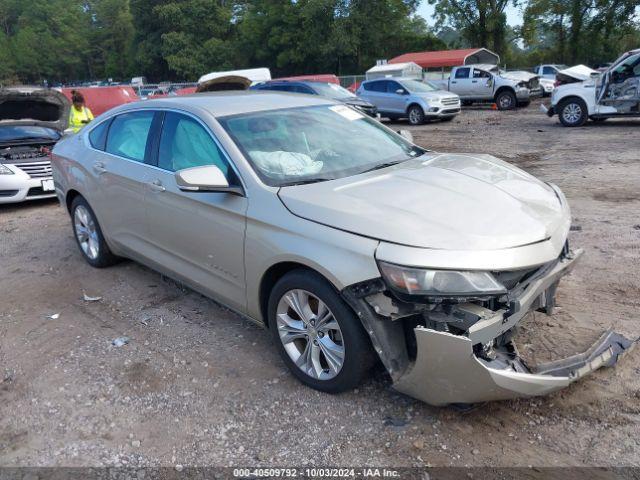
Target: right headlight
{"type": "Point", "coordinates": [4, 170]}
{"type": "Point", "coordinates": [423, 281]}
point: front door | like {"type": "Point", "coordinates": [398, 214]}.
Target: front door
{"type": "Point", "coordinates": [199, 236]}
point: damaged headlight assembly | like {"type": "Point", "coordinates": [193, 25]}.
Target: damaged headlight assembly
{"type": "Point", "coordinates": [4, 170]}
{"type": "Point", "coordinates": [440, 283]}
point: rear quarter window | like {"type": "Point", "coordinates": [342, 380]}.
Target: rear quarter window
{"type": "Point", "coordinates": [98, 135]}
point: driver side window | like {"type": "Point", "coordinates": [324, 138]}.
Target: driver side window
{"type": "Point", "coordinates": [184, 143]}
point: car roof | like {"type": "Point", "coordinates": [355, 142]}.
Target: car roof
{"type": "Point", "coordinates": [221, 104]}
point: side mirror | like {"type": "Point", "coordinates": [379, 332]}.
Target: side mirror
{"type": "Point", "coordinates": [406, 134]}
{"type": "Point", "coordinates": [208, 178]}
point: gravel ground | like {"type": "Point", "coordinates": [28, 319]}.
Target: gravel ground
{"type": "Point", "coordinates": [197, 385]}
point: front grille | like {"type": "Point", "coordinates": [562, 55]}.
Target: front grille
{"type": "Point", "coordinates": [36, 169]}
{"type": "Point", "coordinates": [449, 101]}
{"type": "Point", "coordinates": [8, 193]}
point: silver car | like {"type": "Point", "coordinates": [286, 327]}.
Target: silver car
{"type": "Point", "coordinates": [348, 242]}
{"type": "Point", "coordinates": [409, 98]}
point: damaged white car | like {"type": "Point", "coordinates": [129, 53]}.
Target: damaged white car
{"type": "Point", "coordinates": [612, 94]}
{"type": "Point", "coordinates": [346, 240]}
{"type": "Point", "coordinates": [32, 120]}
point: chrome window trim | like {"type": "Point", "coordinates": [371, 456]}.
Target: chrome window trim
{"type": "Point", "coordinates": [164, 109]}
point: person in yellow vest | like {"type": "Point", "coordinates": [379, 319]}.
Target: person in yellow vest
{"type": "Point", "coordinates": [80, 113]}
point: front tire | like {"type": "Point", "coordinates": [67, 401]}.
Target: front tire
{"type": "Point", "coordinates": [573, 112]}
{"type": "Point", "coordinates": [415, 115]}
{"type": "Point", "coordinates": [88, 235]}
{"type": "Point", "coordinates": [317, 335]}
{"type": "Point", "coordinates": [506, 100]}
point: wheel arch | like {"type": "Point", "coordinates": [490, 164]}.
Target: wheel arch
{"type": "Point", "coordinates": [501, 89]}
{"type": "Point", "coordinates": [274, 273]}
{"type": "Point", "coordinates": [414, 104]}
{"type": "Point", "coordinates": [70, 196]}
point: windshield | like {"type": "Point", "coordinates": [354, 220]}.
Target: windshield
{"type": "Point", "coordinates": [18, 133]}
{"type": "Point", "coordinates": [309, 144]}
{"type": "Point", "coordinates": [415, 86]}
{"type": "Point", "coordinates": [332, 90]}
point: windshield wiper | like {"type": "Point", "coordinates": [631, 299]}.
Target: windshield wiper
{"type": "Point", "coordinates": [382, 165]}
{"type": "Point", "coordinates": [306, 181]}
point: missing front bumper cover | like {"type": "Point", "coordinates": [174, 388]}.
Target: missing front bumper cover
{"type": "Point", "coordinates": [446, 370]}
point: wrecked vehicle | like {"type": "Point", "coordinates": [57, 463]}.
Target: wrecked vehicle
{"type": "Point", "coordinates": [486, 83]}
{"type": "Point", "coordinates": [32, 120]}
{"type": "Point", "coordinates": [610, 94]}
{"type": "Point", "coordinates": [342, 237]}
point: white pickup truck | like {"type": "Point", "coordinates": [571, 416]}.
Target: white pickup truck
{"type": "Point", "coordinates": [486, 83]}
{"type": "Point", "coordinates": [612, 93]}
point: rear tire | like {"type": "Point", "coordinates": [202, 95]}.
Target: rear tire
{"type": "Point", "coordinates": [325, 346]}
{"type": "Point", "coordinates": [415, 115]}
{"type": "Point", "coordinates": [572, 112]}
{"type": "Point", "coordinates": [88, 235]}
{"type": "Point", "coordinates": [506, 100]}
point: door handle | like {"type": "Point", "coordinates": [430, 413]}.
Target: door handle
{"type": "Point", "coordinates": [99, 168]}
{"type": "Point", "coordinates": [156, 186]}
{"type": "Point", "coordinates": [474, 81]}
{"type": "Point", "coordinates": [454, 82]}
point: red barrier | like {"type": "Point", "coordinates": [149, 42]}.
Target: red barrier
{"type": "Point", "coordinates": [321, 77]}
{"type": "Point", "coordinates": [101, 99]}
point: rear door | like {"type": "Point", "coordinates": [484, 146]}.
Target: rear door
{"type": "Point", "coordinates": [460, 82]}
{"type": "Point", "coordinates": [121, 169]}
{"type": "Point", "coordinates": [198, 236]}
{"type": "Point", "coordinates": [375, 92]}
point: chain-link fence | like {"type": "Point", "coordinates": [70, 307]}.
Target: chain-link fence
{"type": "Point", "coordinates": [352, 82]}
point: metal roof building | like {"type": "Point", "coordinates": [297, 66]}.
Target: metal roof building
{"type": "Point", "coordinates": [449, 58]}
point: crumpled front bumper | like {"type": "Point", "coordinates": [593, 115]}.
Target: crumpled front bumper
{"type": "Point", "coordinates": [448, 370]}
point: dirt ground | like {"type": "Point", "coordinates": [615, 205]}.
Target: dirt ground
{"type": "Point", "coordinates": [197, 385]}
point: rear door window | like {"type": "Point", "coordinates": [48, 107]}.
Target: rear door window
{"type": "Point", "coordinates": [462, 73]}
{"type": "Point", "coordinates": [128, 135]}
{"type": "Point", "coordinates": [379, 86]}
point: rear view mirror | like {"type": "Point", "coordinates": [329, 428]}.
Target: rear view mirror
{"type": "Point", "coordinates": [208, 178]}
{"type": "Point", "coordinates": [406, 134]}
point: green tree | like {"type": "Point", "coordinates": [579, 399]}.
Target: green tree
{"type": "Point", "coordinates": [482, 23]}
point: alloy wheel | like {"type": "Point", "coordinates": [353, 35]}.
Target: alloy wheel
{"type": "Point", "coordinates": [572, 113]}
{"type": "Point", "coordinates": [414, 116]}
{"type": "Point", "coordinates": [310, 334]}
{"type": "Point", "coordinates": [86, 232]}
{"type": "Point", "coordinates": [506, 102]}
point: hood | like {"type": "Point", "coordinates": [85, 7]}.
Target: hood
{"type": "Point", "coordinates": [41, 107]}
{"type": "Point", "coordinates": [439, 201]}
{"type": "Point", "coordinates": [577, 73]}
{"type": "Point", "coordinates": [518, 76]}
{"type": "Point", "coordinates": [435, 95]}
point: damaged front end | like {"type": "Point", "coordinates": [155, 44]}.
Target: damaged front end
{"type": "Point", "coordinates": [446, 349]}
